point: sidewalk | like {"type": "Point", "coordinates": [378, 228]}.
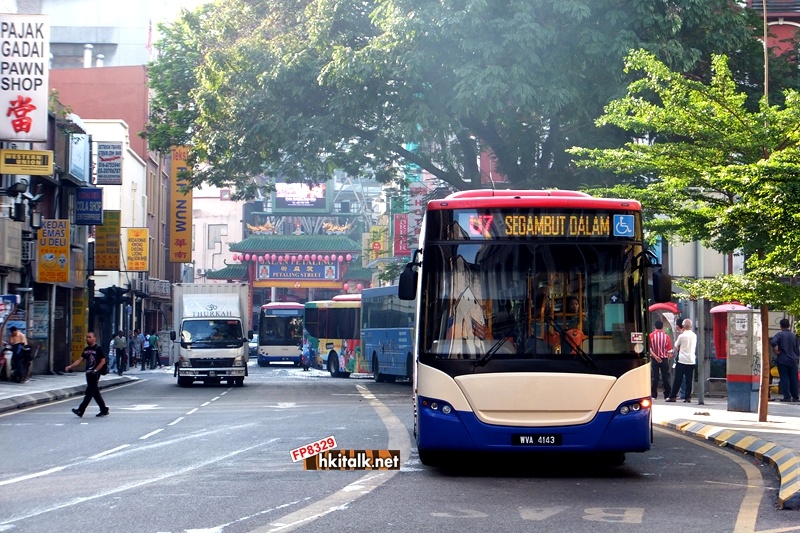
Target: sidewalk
{"type": "Point", "coordinates": [774, 441]}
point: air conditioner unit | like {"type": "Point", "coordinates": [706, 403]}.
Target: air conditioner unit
{"type": "Point", "coordinates": [28, 251]}
{"type": "Point", "coordinates": [10, 243]}
{"type": "Point", "coordinates": [199, 272]}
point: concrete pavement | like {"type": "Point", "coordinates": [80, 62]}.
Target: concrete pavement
{"type": "Point", "coordinates": [774, 441]}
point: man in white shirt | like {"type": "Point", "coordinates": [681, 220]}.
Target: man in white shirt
{"type": "Point", "coordinates": [685, 347]}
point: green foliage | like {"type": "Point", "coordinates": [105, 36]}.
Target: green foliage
{"type": "Point", "coordinates": [269, 87]}
{"type": "Point", "coordinates": [708, 169]}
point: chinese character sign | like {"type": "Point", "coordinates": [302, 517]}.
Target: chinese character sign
{"type": "Point", "coordinates": [180, 245]}
{"type": "Point", "coordinates": [107, 242]}
{"type": "Point", "coordinates": [137, 247]}
{"type": "Point", "coordinates": [52, 263]}
{"type": "Point", "coordinates": [24, 77]}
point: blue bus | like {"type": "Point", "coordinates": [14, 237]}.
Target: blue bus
{"type": "Point", "coordinates": [387, 333]}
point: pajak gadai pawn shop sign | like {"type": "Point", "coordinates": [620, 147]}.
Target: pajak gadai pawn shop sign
{"type": "Point", "coordinates": [24, 77]}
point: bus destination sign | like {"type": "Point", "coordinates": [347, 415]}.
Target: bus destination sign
{"type": "Point", "coordinates": [496, 225]}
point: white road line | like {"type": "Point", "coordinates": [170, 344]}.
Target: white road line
{"type": "Point", "coordinates": [215, 399]}
{"type": "Point", "coordinates": [31, 476]}
{"type": "Point", "coordinates": [204, 404]}
{"type": "Point", "coordinates": [107, 452]}
{"type": "Point", "coordinates": [151, 434]}
{"type": "Point", "coordinates": [176, 420]}
{"type": "Point", "coordinates": [398, 440]}
{"type": "Point", "coordinates": [192, 411]}
{"type": "Point", "coordinates": [122, 488]}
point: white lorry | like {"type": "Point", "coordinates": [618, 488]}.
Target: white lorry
{"type": "Point", "coordinates": [213, 321]}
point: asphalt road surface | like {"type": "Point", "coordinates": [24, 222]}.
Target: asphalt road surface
{"type": "Point", "coordinates": [216, 459]}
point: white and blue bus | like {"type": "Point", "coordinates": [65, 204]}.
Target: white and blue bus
{"type": "Point", "coordinates": [387, 327]}
{"type": "Point", "coordinates": [531, 325]}
{"type": "Point", "coordinates": [280, 333]}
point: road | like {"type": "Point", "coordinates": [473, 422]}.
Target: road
{"type": "Point", "coordinates": [217, 459]}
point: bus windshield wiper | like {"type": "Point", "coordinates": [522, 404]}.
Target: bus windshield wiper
{"type": "Point", "coordinates": [495, 347]}
{"type": "Point", "coordinates": [585, 357]}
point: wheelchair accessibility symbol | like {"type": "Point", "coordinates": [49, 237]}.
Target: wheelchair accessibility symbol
{"type": "Point", "coordinates": [623, 225]}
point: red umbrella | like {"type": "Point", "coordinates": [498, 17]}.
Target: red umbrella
{"type": "Point", "coordinates": [730, 306]}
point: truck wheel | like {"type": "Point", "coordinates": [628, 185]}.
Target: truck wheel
{"type": "Point", "coordinates": [239, 382]}
{"type": "Point", "coordinates": [185, 382]}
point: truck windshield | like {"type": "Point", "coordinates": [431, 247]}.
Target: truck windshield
{"type": "Point", "coordinates": [206, 330]}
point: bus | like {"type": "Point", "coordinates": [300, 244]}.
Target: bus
{"type": "Point", "coordinates": [387, 330]}
{"type": "Point", "coordinates": [280, 332]}
{"type": "Point", "coordinates": [531, 325]}
{"type": "Point", "coordinates": [333, 332]}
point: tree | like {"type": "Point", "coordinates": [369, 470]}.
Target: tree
{"type": "Point", "coordinates": [296, 89]}
{"type": "Point", "coordinates": [714, 172]}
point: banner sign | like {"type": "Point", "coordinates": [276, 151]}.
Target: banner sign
{"type": "Point", "coordinates": [107, 242]}
{"type": "Point", "coordinates": [24, 77]}
{"type": "Point", "coordinates": [52, 264]}
{"type": "Point", "coordinates": [137, 246]}
{"type": "Point", "coordinates": [109, 163]}
{"type": "Point", "coordinates": [89, 206]}
{"type": "Point", "coordinates": [80, 321]}
{"type": "Point", "coordinates": [180, 234]}
{"type": "Point", "coordinates": [401, 236]}
{"type": "Point", "coordinates": [299, 271]}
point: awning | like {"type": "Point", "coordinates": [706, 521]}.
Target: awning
{"type": "Point", "coordinates": [730, 306]}
{"type": "Point", "coordinates": [667, 306]}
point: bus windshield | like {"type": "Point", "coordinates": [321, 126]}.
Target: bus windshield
{"type": "Point", "coordinates": [280, 327]}
{"type": "Point", "coordinates": [526, 300]}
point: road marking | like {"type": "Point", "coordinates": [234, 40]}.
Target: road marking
{"type": "Point", "coordinates": [176, 420]}
{"type": "Point", "coordinates": [31, 476]}
{"type": "Point", "coordinates": [204, 404]}
{"type": "Point", "coordinates": [193, 411]}
{"type": "Point", "coordinates": [754, 490]}
{"type": "Point", "coordinates": [108, 452]}
{"type": "Point", "coordinates": [70, 399]}
{"type": "Point", "coordinates": [142, 407]}
{"type": "Point", "coordinates": [104, 494]}
{"type": "Point", "coordinates": [398, 440]}
{"type": "Point", "coordinates": [151, 434]}
{"type": "Point", "coordinates": [215, 399]}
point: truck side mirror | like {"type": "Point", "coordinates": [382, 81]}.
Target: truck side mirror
{"type": "Point", "coordinates": [172, 336]}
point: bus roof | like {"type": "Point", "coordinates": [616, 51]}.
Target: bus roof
{"type": "Point", "coordinates": [378, 292]}
{"type": "Point", "coordinates": [347, 298]}
{"type": "Point", "coordinates": [508, 198]}
{"type": "Point", "coordinates": [333, 304]}
{"type": "Point", "coordinates": [282, 305]}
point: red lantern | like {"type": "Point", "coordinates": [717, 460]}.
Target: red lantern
{"type": "Point", "coordinates": [359, 286]}
{"type": "Point", "coordinates": [293, 259]}
{"type": "Point", "coordinates": [340, 258]}
{"type": "Point", "coordinates": [306, 258]}
{"type": "Point", "coordinates": [349, 257]}
{"type": "Point", "coordinates": [247, 257]}
{"type": "Point", "coordinates": [346, 287]}
{"type": "Point", "coordinates": [266, 258]}
{"type": "Point", "coordinates": [260, 259]}
{"type": "Point", "coordinates": [286, 258]}
{"type": "Point", "coordinates": [314, 257]}
{"type": "Point", "coordinates": [327, 258]}
{"type": "Point", "coordinates": [274, 258]}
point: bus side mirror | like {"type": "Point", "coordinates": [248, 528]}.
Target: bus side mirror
{"type": "Point", "coordinates": [407, 287]}
{"type": "Point", "coordinates": [662, 286]}
{"type": "Point", "coordinates": [172, 336]}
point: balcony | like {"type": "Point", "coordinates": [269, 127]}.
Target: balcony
{"type": "Point", "coordinates": [776, 8]}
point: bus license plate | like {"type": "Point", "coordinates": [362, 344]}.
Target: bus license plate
{"type": "Point", "coordinates": [548, 439]}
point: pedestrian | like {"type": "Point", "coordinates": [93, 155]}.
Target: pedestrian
{"type": "Point", "coordinates": [146, 355]}
{"type": "Point", "coordinates": [112, 357]}
{"type": "Point", "coordinates": [660, 353]}
{"type": "Point", "coordinates": [94, 359]}
{"type": "Point", "coordinates": [120, 344]}
{"type": "Point", "coordinates": [136, 353]}
{"type": "Point", "coordinates": [19, 363]}
{"type": "Point", "coordinates": [686, 346]}
{"type": "Point", "coordinates": [784, 344]}
{"type": "Point", "coordinates": [155, 358]}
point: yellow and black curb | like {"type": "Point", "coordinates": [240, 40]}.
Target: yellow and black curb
{"type": "Point", "coordinates": [785, 460]}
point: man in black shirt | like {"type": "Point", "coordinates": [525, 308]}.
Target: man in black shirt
{"type": "Point", "coordinates": [95, 360]}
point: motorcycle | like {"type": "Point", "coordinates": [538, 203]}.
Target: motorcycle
{"type": "Point", "coordinates": [5, 362]}
{"type": "Point", "coordinates": [21, 360]}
